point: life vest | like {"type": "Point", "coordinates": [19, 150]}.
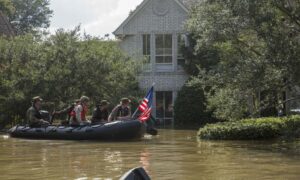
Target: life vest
{"type": "Point", "coordinates": [82, 113]}
{"type": "Point", "coordinates": [72, 113]}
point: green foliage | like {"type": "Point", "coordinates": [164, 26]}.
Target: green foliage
{"type": "Point", "coordinates": [256, 48]}
{"type": "Point", "coordinates": [189, 107]}
{"type": "Point", "coordinates": [62, 68]}
{"type": "Point", "coordinates": [252, 129]}
{"type": "Point", "coordinates": [29, 16]}
{"type": "Point", "coordinates": [222, 99]}
{"type": "Point", "coordinates": [206, 58]}
{"type": "Point", "coordinates": [7, 7]}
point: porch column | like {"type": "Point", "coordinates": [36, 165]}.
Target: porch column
{"type": "Point", "coordinates": [174, 47]}
{"type": "Point", "coordinates": [154, 105]}
{"type": "Point", "coordinates": [174, 96]}
{"type": "Point", "coordinates": [152, 50]}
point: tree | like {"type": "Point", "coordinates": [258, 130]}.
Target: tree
{"type": "Point", "coordinates": [61, 68]}
{"type": "Point", "coordinates": [256, 46]}
{"type": "Point", "coordinates": [7, 7]}
{"type": "Point", "coordinates": [204, 58]}
{"type": "Point", "coordinates": [30, 15]}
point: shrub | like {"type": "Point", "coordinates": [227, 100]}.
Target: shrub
{"type": "Point", "coordinates": [190, 107]}
{"type": "Point", "coordinates": [250, 129]}
{"type": "Point", "coordinates": [228, 104]}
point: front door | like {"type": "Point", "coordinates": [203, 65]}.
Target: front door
{"type": "Point", "coordinates": [164, 107]}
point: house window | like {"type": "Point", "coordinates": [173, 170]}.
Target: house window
{"type": "Point", "coordinates": [146, 47]}
{"type": "Point", "coordinates": [163, 49]}
{"type": "Point", "coordinates": [180, 46]}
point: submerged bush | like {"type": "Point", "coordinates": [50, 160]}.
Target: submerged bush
{"type": "Point", "coordinates": [190, 106]}
{"type": "Point", "coordinates": [250, 129]}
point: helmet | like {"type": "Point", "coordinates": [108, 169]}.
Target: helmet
{"type": "Point", "coordinates": [84, 99]}
{"type": "Point", "coordinates": [125, 100]}
{"type": "Point", "coordinates": [103, 103]}
{"type": "Point", "coordinates": [36, 99]}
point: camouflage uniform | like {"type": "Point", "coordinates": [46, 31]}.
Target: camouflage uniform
{"type": "Point", "coordinates": [119, 111]}
{"type": "Point", "coordinates": [34, 118]}
{"type": "Point", "coordinates": [99, 115]}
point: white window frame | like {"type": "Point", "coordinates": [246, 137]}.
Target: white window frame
{"type": "Point", "coordinates": [164, 55]}
{"type": "Point", "coordinates": [148, 45]}
{"type": "Point", "coordinates": [180, 39]}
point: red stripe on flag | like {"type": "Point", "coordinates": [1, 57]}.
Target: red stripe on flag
{"type": "Point", "coordinates": [145, 115]}
{"type": "Point", "coordinates": [143, 106]}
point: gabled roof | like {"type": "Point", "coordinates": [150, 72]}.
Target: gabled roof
{"type": "Point", "coordinates": [5, 27]}
{"type": "Point", "coordinates": [119, 30]}
{"type": "Point", "coordinates": [188, 3]}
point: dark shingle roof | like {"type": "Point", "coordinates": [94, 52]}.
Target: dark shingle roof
{"type": "Point", "coordinates": [5, 27]}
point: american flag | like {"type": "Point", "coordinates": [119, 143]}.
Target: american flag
{"type": "Point", "coordinates": [146, 106]}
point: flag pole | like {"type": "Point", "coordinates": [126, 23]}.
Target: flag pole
{"type": "Point", "coordinates": [134, 113]}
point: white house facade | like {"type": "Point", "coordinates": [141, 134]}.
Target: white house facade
{"type": "Point", "coordinates": [153, 33]}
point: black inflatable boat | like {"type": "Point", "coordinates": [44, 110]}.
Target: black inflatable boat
{"type": "Point", "coordinates": [114, 131]}
{"type": "Point", "coordinates": [138, 173]}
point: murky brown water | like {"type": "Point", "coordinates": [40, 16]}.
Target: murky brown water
{"type": "Point", "coordinates": [172, 155]}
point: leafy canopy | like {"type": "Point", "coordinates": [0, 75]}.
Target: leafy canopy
{"type": "Point", "coordinates": [61, 68]}
{"type": "Point", "coordinates": [255, 47]}
{"type": "Point", "coordinates": [27, 16]}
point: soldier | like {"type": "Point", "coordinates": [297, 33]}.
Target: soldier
{"type": "Point", "coordinates": [33, 116]}
{"type": "Point", "coordinates": [100, 113]}
{"type": "Point", "coordinates": [68, 110]}
{"type": "Point", "coordinates": [121, 111]}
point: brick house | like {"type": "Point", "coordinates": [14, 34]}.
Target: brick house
{"type": "Point", "coordinates": [154, 31]}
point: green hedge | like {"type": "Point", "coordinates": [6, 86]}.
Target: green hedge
{"type": "Point", "coordinates": [189, 107]}
{"type": "Point", "coordinates": [251, 129]}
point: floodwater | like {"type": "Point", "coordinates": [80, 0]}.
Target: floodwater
{"type": "Point", "coordinates": [174, 154]}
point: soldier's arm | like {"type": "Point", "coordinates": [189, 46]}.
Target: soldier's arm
{"type": "Point", "coordinates": [63, 111]}
{"type": "Point", "coordinates": [129, 114]}
{"type": "Point", "coordinates": [113, 114]}
{"type": "Point", "coordinates": [78, 110]}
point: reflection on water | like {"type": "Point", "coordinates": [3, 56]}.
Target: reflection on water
{"type": "Point", "coordinates": [171, 155]}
